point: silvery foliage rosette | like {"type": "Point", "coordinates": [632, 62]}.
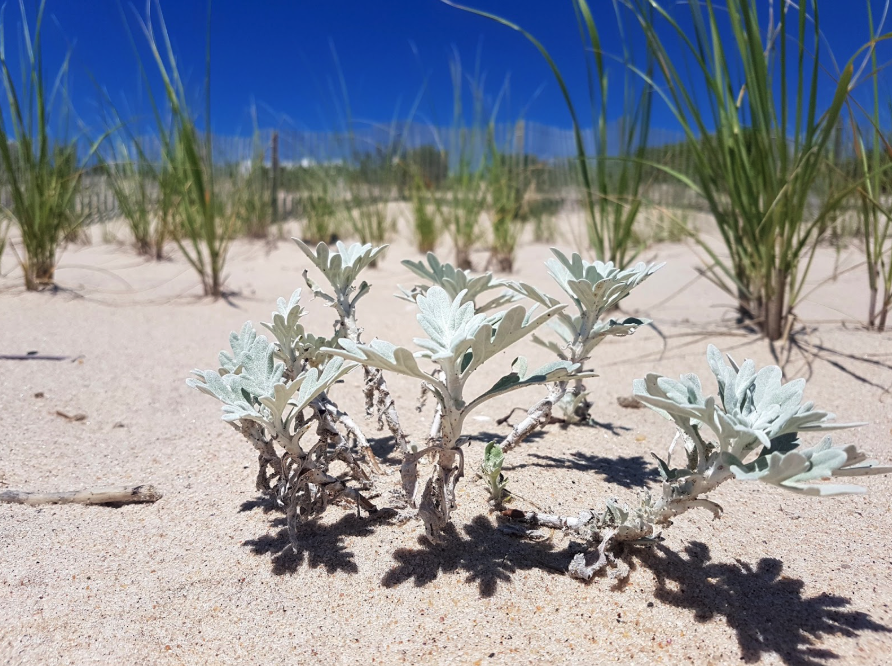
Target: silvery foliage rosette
{"type": "Point", "coordinates": [456, 281]}
{"type": "Point", "coordinates": [252, 386]}
{"type": "Point", "coordinates": [341, 269]}
{"type": "Point", "coordinates": [459, 341]}
{"type": "Point", "coordinates": [273, 393]}
{"type": "Point", "coordinates": [295, 346]}
{"type": "Point", "coordinates": [594, 288]}
{"type": "Point", "coordinates": [751, 431]}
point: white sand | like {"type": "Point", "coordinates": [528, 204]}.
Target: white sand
{"type": "Point", "coordinates": [206, 576]}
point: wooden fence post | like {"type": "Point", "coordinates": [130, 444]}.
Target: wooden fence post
{"type": "Point", "coordinates": [274, 159]}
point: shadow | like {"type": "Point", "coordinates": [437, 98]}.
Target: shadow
{"type": "Point", "coordinates": [487, 436]}
{"type": "Point", "coordinates": [766, 609]}
{"type": "Point", "coordinates": [820, 352]}
{"type": "Point", "coordinates": [384, 449]}
{"type": "Point", "coordinates": [612, 428]}
{"type": "Point", "coordinates": [229, 297]}
{"type": "Point", "coordinates": [627, 471]}
{"type": "Point", "coordinates": [319, 545]}
{"type": "Point", "coordinates": [262, 502]}
{"type": "Point", "coordinates": [485, 554]}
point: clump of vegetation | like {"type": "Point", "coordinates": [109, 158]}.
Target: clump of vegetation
{"type": "Point", "coordinates": [275, 393]}
{"type": "Point", "coordinates": [372, 177]}
{"type": "Point", "coordinates": [207, 215]}
{"type": "Point", "coordinates": [136, 184]}
{"type": "Point", "coordinates": [491, 473]}
{"type": "Point", "coordinates": [456, 283]}
{"type": "Point", "coordinates": [542, 212]}
{"type": "Point", "coordinates": [341, 269]}
{"type": "Point", "coordinates": [509, 183]}
{"type": "Point", "coordinates": [254, 194]}
{"type": "Point", "coordinates": [422, 171]}
{"type": "Point", "coordinates": [4, 235]}
{"type": "Point", "coordinates": [612, 186]}
{"type": "Point", "coordinates": [369, 191]}
{"type": "Point", "coordinates": [758, 183]}
{"type": "Point", "coordinates": [426, 230]}
{"type": "Point", "coordinates": [460, 340]}
{"type": "Point", "coordinates": [461, 203]}
{"type": "Point", "coordinates": [749, 432]}
{"type": "Point", "coordinates": [595, 289]}
{"type": "Point", "coordinates": [873, 152]}
{"type": "Point", "coordinates": [42, 171]}
{"type": "Point", "coordinates": [320, 223]}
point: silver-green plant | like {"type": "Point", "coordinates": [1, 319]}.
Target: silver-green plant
{"type": "Point", "coordinates": [341, 269]}
{"type": "Point", "coordinates": [491, 472]}
{"type": "Point", "coordinates": [456, 281]}
{"type": "Point", "coordinates": [459, 341]}
{"type": "Point", "coordinates": [273, 394]}
{"type": "Point", "coordinates": [595, 289]}
{"type": "Point", "coordinates": [750, 432]}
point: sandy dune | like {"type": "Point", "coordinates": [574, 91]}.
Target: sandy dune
{"type": "Point", "coordinates": [206, 574]}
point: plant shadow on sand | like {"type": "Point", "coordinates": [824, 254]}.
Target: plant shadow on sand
{"type": "Point", "coordinates": [488, 556]}
{"type": "Point", "coordinates": [320, 545]}
{"type": "Point", "coordinates": [626, 471]}
{"type": "Point", "coordinates": [766, 609]}
{"type": "Point", "coordinates": [385, 450]}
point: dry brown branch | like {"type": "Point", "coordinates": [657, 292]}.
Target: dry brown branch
{"type": "Point", "coordinates": [102, 495]}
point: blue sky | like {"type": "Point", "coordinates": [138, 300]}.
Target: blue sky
{"type": "Point", "coordinates": [278, 53]}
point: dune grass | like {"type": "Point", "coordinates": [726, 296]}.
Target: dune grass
{"type": "Point", "coordinates": [759, 143]}
{"type": "Point", "coordinates": [463, 199]}
{"type": "Point", "coordinates": [321, 222]}
{"type": "Point", "coordinates": [207, 216]}
{"type": "Point", "coordinates": [371, 180]}
{"type": "Point", "coordinates": [427, 231]}
{"type": "Point", "coordinates": [757, 140]}
{"type": "Point", "coordinates": [39, 157]}
{"type": "Point", "coordinates": [509, 180]}
{"type": "Point", "coordinates": [135, 181]}
{"type": "Point", "coordinates": [4, 236]}
{"type": "Point", "coordinates": [614, 180]}
{"type": "Point", "coordinates": [254, 191]}
{"type": "Point", "coordinates": [873, 153]}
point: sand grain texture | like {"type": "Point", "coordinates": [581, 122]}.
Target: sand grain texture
{"type": "Point", "coordinates": [205, 575]}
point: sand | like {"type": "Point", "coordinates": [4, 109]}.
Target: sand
{"type": "Point", "coordinates": [206, 574]}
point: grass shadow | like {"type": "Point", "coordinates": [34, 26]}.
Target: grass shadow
{"type": "Point", "coordinates": [766, 609]}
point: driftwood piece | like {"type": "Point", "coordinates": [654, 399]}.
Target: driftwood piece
{"type": "Point", "coordinates": [103, 495]}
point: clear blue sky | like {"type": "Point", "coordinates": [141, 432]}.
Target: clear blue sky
{"type": "Point", "coordinates": [277, 52]}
